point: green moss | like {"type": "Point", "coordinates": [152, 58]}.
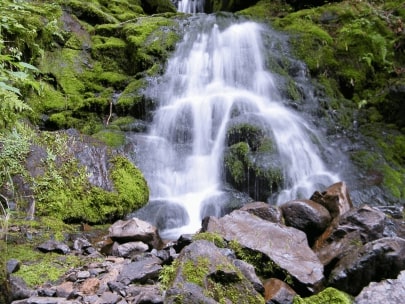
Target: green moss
{"type": "Point", "coordinates": [196, 271]}
{"type": "Point", "coordinates": [90, 11]}
{"type": "Point", "coordinates": [237, 162]}
{"type": "Point", "coordinates": [329, 295]}
{"type": "Point", "coordinates": [130, 97]}
{"type": "Point", "coordinates": [211, 237]}
{"type": "Point", "coordinates": [112, 138]}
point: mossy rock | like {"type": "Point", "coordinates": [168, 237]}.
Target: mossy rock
{"type": "Point", "coordinates": [90, 11]}
{"type": "Point", "coordinates": [329, 295]}
{"type": "Point", "coordinates": [67, 190]}
{"type": "Point", "coordinates": [158, 6]}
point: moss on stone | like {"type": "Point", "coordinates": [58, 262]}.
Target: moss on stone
{"type": "Point", "coordinates": [215, 238]}
{"type": "Point", "coordinates": [329, 295]}
{"type": "Point", "coordinates": [90, 11]}
{"type": "Point", "coordinates": [112, 138]}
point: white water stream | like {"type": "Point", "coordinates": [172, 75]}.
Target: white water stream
{"type": "Point", "coordinates": [216, 74]}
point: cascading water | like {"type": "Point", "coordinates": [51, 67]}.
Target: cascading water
{"type": "Point", "coordinates": [217, 76]}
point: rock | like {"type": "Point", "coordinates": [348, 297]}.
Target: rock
{"type": "Point", "coordinates": [381, 259]}
{"type": "Point", "coordinates": [141, 271]}
{"type": "Point", "coordinates": [108, 298]}
{"type": "Point", "coordinates": [19, 289]}
{"type": "Point", "coordinates": [356, 227]}
{"type": "Point", "coordinates": [249, 272]}
{"type": "Point", "coordinates": [146, 294]}
{"type": "Point", "coordinates": [183, 241]}
{"type": "Point", "coordinates": [64, 290]}
{"type": "Point", "coordinates": [90, 286]}
{"type": "Point", "coordinates": [54, 246]}
{"type": "Point", "coordinates": [335, 198]}
{"type": "Point", "coordinates": [13, 265]}
{"type": "Point", "coordinates": [264, 211]}
{"type": "Point", "coordinates": [135, 230]}
{"type": "Point", "coordinates": [286, 247]}
{"type": "Point", "coordinates": [386, 291]}
{"type": "Point", "coordinates": [129, 249]}
{"type": "Point", "coordinates": [204, 275]}
{"type": "Point", "coordinates": [369, 221]}
{"type": "Point", "coordinates": [82, 275]}
{"type": "Point", "coordinates": [44, 300]}
{"type": "Point", "coordinates": [81, 245]}
{"type": "Point", "coordinates": [307, 216]}
{"type": "Point", "coordinates": [278, 292]}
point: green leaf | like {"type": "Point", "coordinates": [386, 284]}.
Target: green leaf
{"type": "Point", "coordinates": [28, 66]}
{"type": "Point", "coordinates": [9, 88]}
{"type": "Point", "coordinates": [18, 75]}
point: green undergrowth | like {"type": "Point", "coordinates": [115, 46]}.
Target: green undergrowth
{"type": "Point", "coordinates": [329, 295]}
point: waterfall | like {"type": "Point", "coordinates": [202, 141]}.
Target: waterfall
{"type": "Point", "coordinates": [216, 77]}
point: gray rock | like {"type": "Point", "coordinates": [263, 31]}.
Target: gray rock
{"type": "Point", "coordinates": [128, 249]}
{"type": "Point", "coordinates": [19, 289]}
{"type": "Point", "coordinates": [387, 291]}
{"type": "Point", "coordinates": [134, 230]}
{"type": "Point", "coordinates": [377, 260]}
{"type": "Point", "coordinates": [287, 247]}
{"type": "Point", "coordinates": [249, 272]}
{"type": "Point", "coordinates": [148, 294]}
{"type": "Point", "coordinates": [140, 271]}
{"type": "Point", "coordinates": [54, 246]}
{"type": "Point", "coordinates": [13, 265]}
{"type": "Point", "coordinates": [205, 275]}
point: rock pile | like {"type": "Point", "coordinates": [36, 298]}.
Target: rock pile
{"type": "Point", "coordinates": [322, 247]}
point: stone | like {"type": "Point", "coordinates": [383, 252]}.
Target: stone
{"type": "Point", "coordinates": [13, 265]}
{"type": "Point", "coordinates": [286, 247]}
{"type": "Point", "coordinates": [307, 216]}
{"type": "Point", "coordinates": [90, 286]}
{"type": "Point", "coordinates": [19, 289]}
{"type": "Point", "coordinates": [134, 230]}
{"type": "Point", "coordinates": [64, 290]}
{"type": "Point", "coordinates": [335, 198]}
{"type": "Point", "coordinates": [108, 298]}
{"type": "Point", "coordinates": [264, 211]}
{"type": "Point", "coordinates": [152, 294]}
{"type": "Point", "coordinates": [381, 259]}
{"type": "Point", "coordinates": [204, 274]}
{"type": "Point", "coordinates": [249, 272]}
{"type": "Point", "coordinates": [278, 292]}
{"type": "Point", "coordinates": [54, 246]}
{"type": "Point", "coordinates": [129, 249]}
{"type": "Point", "coordinates": [386, 291]}
{"type": "Point", "coordinates": [141, 271]}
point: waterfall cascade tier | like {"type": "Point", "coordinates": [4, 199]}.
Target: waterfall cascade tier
{"type": "Point", "coordinates": [216, 77]}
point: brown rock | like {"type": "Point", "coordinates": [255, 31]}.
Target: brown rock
{"type": "Point", "coordinates": [277, 291]}
{"type": "Point", "coordinates": [90, 286]}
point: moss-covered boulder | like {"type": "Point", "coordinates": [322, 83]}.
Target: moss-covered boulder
{"type": "Point", "coordinates": [328, 295]}
{"type": "Point", "coordinates": [72, 177]}
{"type": "Point", "coordinates": [227, 5]}
{"type": "Point", "coordinates": [203, 274]}
{"type": "Point", "coordinates": [250, 162]}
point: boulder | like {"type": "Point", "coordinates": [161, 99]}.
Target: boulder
{"type": "Point", "coordinates": [381, 259]}
{"type": "Point", "coordinates": [54, 246]}
{"type": "Point", "coordinates": [204, 274]}
{"type": "Point", "coordinates": [335, 198]}
{"type": "Point", "coordinates": [134, 230]}
{"type": "Point", "coordinates": [285, 247]}
{"type": "Point", "coordinates": [308, 216]}
{"type": "Point", "coordinates": [386, 291]}
{"type": "Point", "coordinates": [129, 249]}
{"type": "Point", "coordinates": [141, 271]}
{"type": "Point", "coordinates": [264, 211]}
{"type": "Point", "coordinates": [278, 292]}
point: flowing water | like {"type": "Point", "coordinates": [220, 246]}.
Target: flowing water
{"type": "Point", "coordinates": [217, 76]}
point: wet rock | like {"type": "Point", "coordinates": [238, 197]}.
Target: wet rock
{"type": "Point", "coordinates": [286, 247]}
{"type": "Point", "coordinates": [369, 221]}
{"type": "Point", "coordinates": [386, 291]}
{"type": "Point", "coordinates": [278, 292]}
{"type": "Point", "coordinates": [140, 271]}
{"type": "Point", "coordinates": [205, 275]}
{"type": "Point", "coordinates": [135, 230]}
{"type": "Point", "coordinates": [54, 246]}
{"type": "Point", "coordinates": [381, 259]}
{"type": "Point", "coordinates": [335, 198]}
{"type": "Point", "coordinates": [264, 211]}
{"type": "Point", "coordinates": [307, 216]}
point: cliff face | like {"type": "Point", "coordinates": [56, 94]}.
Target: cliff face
{"type": "Point", "coordinates": [81, 65]}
